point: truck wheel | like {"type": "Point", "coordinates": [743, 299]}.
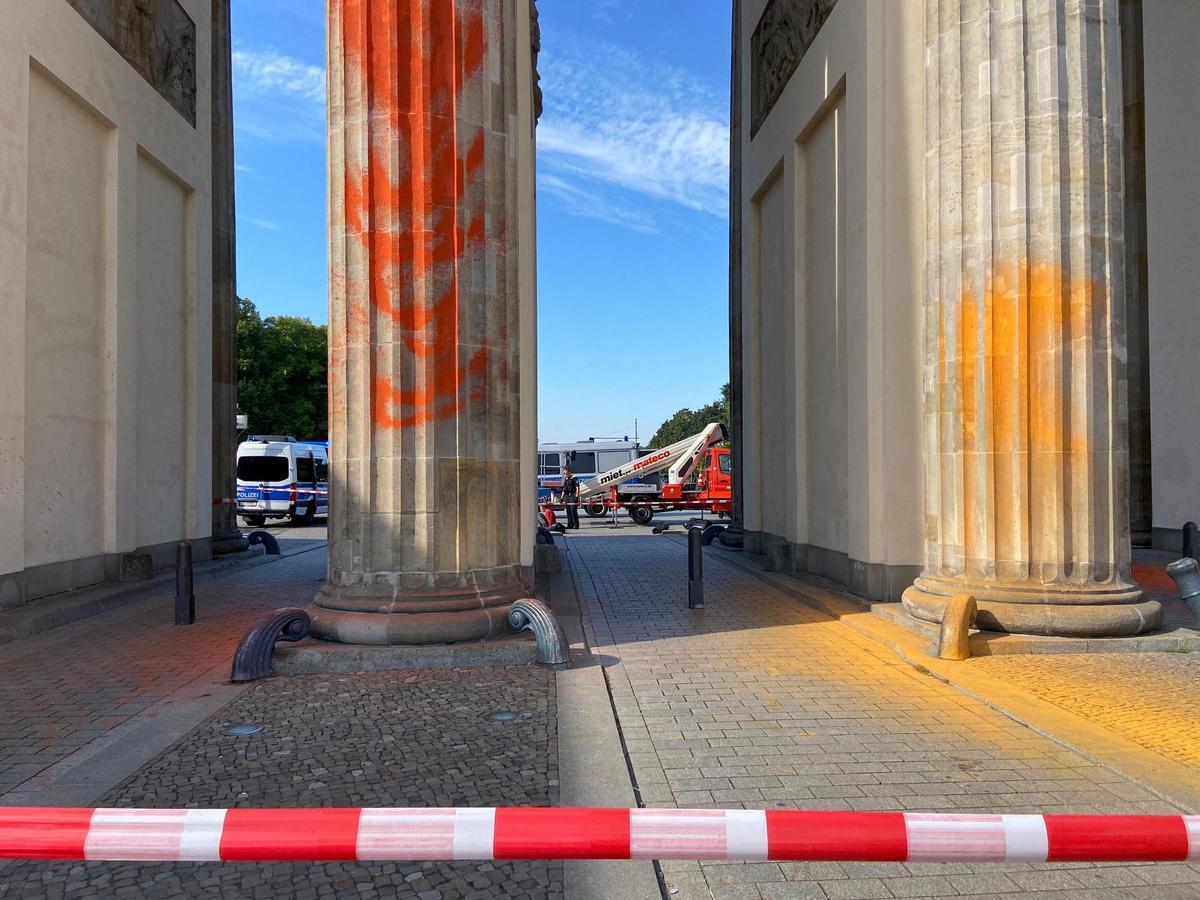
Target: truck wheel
{"type": "Point", "coordinates": [595, 510]}
{"type": "Point", "coordinates": [255, 521]}
{"type": "Point", "coordinates": [640, 514]}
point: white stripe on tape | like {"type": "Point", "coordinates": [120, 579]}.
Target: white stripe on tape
{"type": "Point", "coordinates": [201, 840]}
{"type": "Point", "coordinates": [1026, 839]}
{"type": "Point", "coordinates": [474, 834]}
{"type": "Point", "coordinates": [132, 834]}
{"type": "Point", "coordinates": [945, 837]}
{"type": "Point", "coordinates": [406, 834]}
{"type": "Point", "coordinates": [678, 834]}
{"type": "Point", "coordinates": [1192, 824]}
{"type": "Point", "coordinates": [746, 831]}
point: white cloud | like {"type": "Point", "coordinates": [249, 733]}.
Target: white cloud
{"type": "Point", "coordinates": [259, 223]}
{"type": "Point", "coordinates": [273, 72]}
{"type": "Point", "coordinates": [277, 97]}
{"type": "Point", "coordinates": [578, 201]}
{"type": "Point", "coordinates": [613, 117]}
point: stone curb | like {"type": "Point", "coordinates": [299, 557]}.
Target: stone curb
{"type": "Point", "coordinates": [592, 765]}
{"type": "Point", "coordinates": [1174, 782]}
{"type": "Point", "coordinates": [313, 657]}
{"type": "Point", "coordinates": [991, 644]}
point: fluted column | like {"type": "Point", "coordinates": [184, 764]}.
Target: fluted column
{"type": "Point", "coordinates": [1026, 448]}
{"type": "Point", "coordinates": [226, 536]}
{"type": "Point", "coordinates": [425, 536]}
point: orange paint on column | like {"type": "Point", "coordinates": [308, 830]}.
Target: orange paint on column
{"type": "Point", "coordinates": [409, 208]}
{"type": "Point", "coordinates": [1008, 404]}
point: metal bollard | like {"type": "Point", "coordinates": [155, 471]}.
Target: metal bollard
{"type": "Point", "coordinates": [1185, 574]}
{"type": "Point", "coordinates": [954, 641]}
{"type": "Point", "coordinates": [185, 600]}
{"type": "Point", "coordinates": [695, 568]}
{"type": "Point", "coordinates": [1190, 541]}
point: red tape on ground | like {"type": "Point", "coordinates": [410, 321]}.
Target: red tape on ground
{"type": "Point", "coordinates": [509, 833]}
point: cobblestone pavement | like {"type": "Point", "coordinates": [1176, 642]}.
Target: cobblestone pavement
{"type": "Point", "coordinates": [760, 701]}
{"type": "Point", "coordinates": [378, 739]}
{"type": "Point", "coordinates": [67, 687]}
{"type": "Point", "coordinates": [1150, 698]}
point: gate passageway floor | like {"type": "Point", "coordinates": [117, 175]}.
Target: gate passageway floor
{"type": "Point", "coordinates": [759, 700]}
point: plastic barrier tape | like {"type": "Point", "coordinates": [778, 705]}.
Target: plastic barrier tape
{"type": "Point", "coordinates": [267, 835]}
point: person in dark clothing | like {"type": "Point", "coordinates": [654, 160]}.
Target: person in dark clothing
{"type": "Point", "coordinates": [571, 498]}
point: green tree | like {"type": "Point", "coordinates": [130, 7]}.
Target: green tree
{"type": "Point", "coordinates": [282, 374]}
{"type": "Point", "coordinates": [687, 422]}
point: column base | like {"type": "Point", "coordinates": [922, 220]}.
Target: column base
{"type": "Point", "coordinates": [418, 608]}
{"type": "Point", "coordinates": [228, 540]}
{"type": "Point", "coordinates": [1057, 610]}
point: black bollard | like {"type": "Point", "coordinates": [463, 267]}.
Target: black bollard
{"type": "Point", "coordinates": [1190, 541]}
{"type": "Point", "coordinates": [185, 600]}
{"type": "Point", "coordinates": [695, 568]}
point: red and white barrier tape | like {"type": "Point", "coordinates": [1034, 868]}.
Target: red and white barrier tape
{"type": "Point", "coordinates": [523, 833]}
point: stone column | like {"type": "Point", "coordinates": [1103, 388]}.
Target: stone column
{"type": "Point", "coordinates": [1026, 447]}
{"type": "Point", "coordinates": [424, 314]}
{"type": "Point", "coordinates": [226, 537]}
{"type": "Point", "coordinates": [1137, 272]}
{"type": "Point", "coordinates": [735, 271]}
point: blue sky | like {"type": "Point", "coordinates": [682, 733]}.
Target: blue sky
{"type": "Point", "coordinates": [632, 209]}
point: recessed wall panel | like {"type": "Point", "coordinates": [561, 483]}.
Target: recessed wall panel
{"type": "Point", "coordinates": [823, 282]}
{"type": "Point", "coordinates": [163, 305]}
{"type": "Point", "coordinates": [777, 373]}
{"type": "Point", "coordinates": [66, 277]}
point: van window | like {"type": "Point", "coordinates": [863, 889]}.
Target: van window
{"type": "Point", "coordinates": [262, 468]}
{"type": "Point", "coordinates": [322, 470]}
{"type": "Point", "coordinates": [610, 459]}
{"type": "Point", "coordinates": [550, 463]}
{"type": "Point", "coordinates": [305, 472]}
{"type": "Point", "coordinates": [585, 461]}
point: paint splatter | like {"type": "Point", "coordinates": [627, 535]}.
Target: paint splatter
{"type": "Point", "coordinates": [415, 88]}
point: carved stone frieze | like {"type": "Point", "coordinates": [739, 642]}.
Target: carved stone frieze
{"type": "Point", "coordinates": [783, 34]}
{"type": "Point", "coordinates": [157, 38]}
{"type": "Point", "coordinates": [535, 44]}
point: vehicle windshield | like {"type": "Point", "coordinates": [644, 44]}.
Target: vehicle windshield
{"type": "Point", "coordinates": [262, 468]}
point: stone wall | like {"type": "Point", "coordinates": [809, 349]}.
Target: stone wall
{"type": "Point", "coordinates": [829, 295]}
{"type": "Point", "coordinates": [1171, 34]}
{"type": "Point", "coordinates": [105, 287]}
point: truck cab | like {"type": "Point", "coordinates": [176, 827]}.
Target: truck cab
{"type": "Point", "coordinates": [711, 485]}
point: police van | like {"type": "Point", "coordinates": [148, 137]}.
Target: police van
{"type": "Point", "coordinates": [279, 477]}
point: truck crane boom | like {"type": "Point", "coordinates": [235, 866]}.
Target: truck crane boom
{"type": "Point", "coordinates": [679, 459]}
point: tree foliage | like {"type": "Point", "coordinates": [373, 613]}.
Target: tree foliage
{"type": "Point", "coordinates": [687, 422]}
{"type": "Point", "coordinates": [282, 374]}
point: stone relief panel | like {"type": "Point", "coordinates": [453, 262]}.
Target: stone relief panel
{"type": "Point", "coordinates": [157, 38]}
{"type": "Point", "coordinates": [783, 34]}
{"type": "Point", "coordinates": [535, 44]}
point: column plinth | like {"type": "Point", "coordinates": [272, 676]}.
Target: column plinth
{"type": "Point", "coordinates": [1025, 402]}
{"type": "Point", "coordinates": [427, 127]}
